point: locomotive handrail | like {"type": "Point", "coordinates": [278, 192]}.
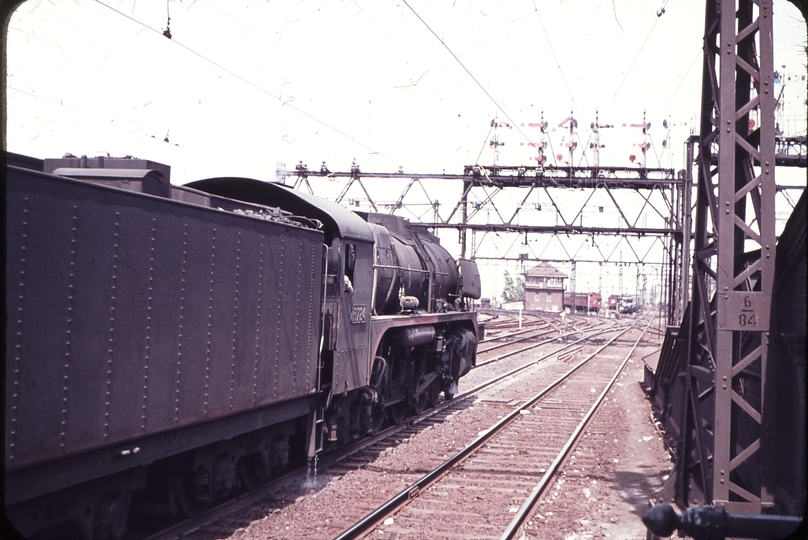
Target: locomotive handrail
{"type": "Point", "coordinates": [393, 267]}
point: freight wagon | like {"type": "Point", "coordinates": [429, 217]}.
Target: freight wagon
{"type": "Point", "coordinates": [582, 302]}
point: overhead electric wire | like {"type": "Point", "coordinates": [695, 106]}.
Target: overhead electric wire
{"type": "Point", "coordinates": [467, 70]}
{"type": "Point", "coordinates": [484, 143]}
{"type": "Point", "coordinates": [445, 102]}
{"type": "Point", "coordinates": [109, 123]}
{"type": "Point", "coordinates": [558, 64]}
{"type": "Point", "coordinates": [59, 103]}
{"type": "Point", "coordinates": [653, 147]}
{"type": "Point", "coordinates": [257, 87]}
{"type": "Point", "coordinates": [583, 149]}
{"type": "Point", "coordinates": [700, 54]}
{"type": "Point", "coordinates": [560, 71]}
{"type": "Point", "coordinates": [642, 47]}
{"type": "Point", "coordinates": [334, 80]}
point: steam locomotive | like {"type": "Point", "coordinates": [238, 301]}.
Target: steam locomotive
{"type": "Point", "coordinates": [168, 345]}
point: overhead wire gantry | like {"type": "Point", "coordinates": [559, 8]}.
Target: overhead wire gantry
{"type": "Point", "coordinates": [656, 191]}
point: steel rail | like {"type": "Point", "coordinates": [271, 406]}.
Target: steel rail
{"type": "Point", "coordinates": [527, 507]}
{"type": "Point", "coordinates": [412, 490]}
{"type": "Point", "coordinates": [540, 332]}
{"type": "Point", "coordinates": [545, 342]}
{"type": "Point", "coordinates": [511, 334]}
{"type": "Point", "coordinates": [539, 344]}
{"type": "Point", "coordinates": [555, 327]}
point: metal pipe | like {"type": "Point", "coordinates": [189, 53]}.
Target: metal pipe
{"type": "Point", "coordinates": [708, 522]}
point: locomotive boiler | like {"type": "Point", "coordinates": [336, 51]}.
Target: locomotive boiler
{"type": "Point", "coordinates": [167, 346]}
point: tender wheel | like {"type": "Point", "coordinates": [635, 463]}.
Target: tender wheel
{"type": "Point", "coordinates": [184, 494]}
{"type": "Point", "coordinates": [110, 517]}
{"type": "Point", "coordinates": [400, 410]}
{"type": "Point", "coordinates": [251, 472]}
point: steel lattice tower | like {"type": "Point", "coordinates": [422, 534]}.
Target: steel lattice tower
{"type": "Point", "coordinates": [729, 387]}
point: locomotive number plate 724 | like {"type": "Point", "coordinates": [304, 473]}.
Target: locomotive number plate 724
{"type": "Point", "coordinates": [358, 314]}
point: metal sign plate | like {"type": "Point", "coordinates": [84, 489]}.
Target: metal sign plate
{"type": "Point", "coordinates": [741, 310]}
{"type": "Point", "coordinates": [358, 314]}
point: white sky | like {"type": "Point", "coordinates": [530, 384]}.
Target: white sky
{"type": "Point", "coordinates": [246, 84]}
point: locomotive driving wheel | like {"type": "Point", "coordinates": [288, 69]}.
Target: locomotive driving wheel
{"type": "Point", "coordinates": [397, 392]}
{"type": "Point", "coordinates": [398, 412]}
{"type": "Point", "coordinates": [434, 392]}
{"type": "Point", "coordinates": [427, 399]}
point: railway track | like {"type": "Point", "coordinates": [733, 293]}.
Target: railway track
{"type": "Point", "coordinates": [467, 494]}
{"type": "Point", "coordinates": [533, 333]}
{"type": "Point", "coordinates": [567, 347]}
{"type": "Point", "coordinates": [510, 326]}
{"type": "Point", "coordinates": [518, 337]}
{"type": "Point", "coordinates": [510, 335]}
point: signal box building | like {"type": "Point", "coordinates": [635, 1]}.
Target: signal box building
{"type": "Point", "coordinates": [544, 288]}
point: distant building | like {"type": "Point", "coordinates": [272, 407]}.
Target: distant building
{"type": "Point", "coordinates": [544, 288]}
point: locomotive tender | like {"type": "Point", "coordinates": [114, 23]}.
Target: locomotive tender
{"type": "Point", "coordinates": [167, 345]}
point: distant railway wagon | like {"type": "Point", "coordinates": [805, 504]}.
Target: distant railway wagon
{"type": "Point", "coordinates": [627, 306]}
{"type": "Point", "coordinates": [583, 302]}
{"type": "Point", "coordinates": [621, 304]}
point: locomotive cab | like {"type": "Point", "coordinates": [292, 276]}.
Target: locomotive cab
{"type": "Point", "coordinates": [396, 327]}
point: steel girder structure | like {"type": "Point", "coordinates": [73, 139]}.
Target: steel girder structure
{"type": "Point", "coordinates": [790, 151]}
{"type": "Point", "coordinates": [725, 450]}
{"type": "Point", "coordinates": [628, 192]}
